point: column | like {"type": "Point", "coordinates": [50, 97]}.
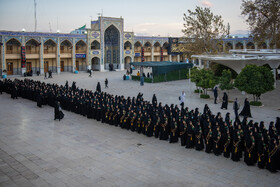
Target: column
{"type": "Point", "coordinates": [3, 58]}
{"type": "Point", "coordinates": [178, 58]}
{"type": "Point", "coordinates": [199, 63]}
{"type": "Point", "coordinates": [88, 53]}
{"type": "Point", "coordinates": [233, 45]}
{"type": "Point", "coordinates": [256, 46]}
{"type": "Point", "coordinates": [169, 58]}
{"type": "Point", "coordinates": [224, 47]}
{"type": "Point", "coordinates": [244, 45]}
{"type": "Point", "coordinates": [74, 55]}
{"type": "Point", "coordinates": [275, 76]}
{"type": "Point", "coordinates": [153, 58]}
{"type": "Point", "coordinates": [58, 56]}
{"type": "Point", "coordinates": [23, 69]}
{"type": "Point", "coordinates": [267, 44]}
{"type": "Point", "coordinates": [42, 57]}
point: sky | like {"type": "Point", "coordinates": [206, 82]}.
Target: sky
{"type": "Point", "coordinates": [145, 17]}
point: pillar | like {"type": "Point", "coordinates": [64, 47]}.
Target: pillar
{"type": "Point", "coordinates": [224, 47]}
{"type": "Point", "coordinates": [233, 45]}
{"type": "Point", "coordinates": [178, 58]}
{"type": "Point", "coordinates": [153, 58]}
{"type": "Point", "coordinates": [275, 76]}
{"type": "Point", "coordinates": [267, 44]}
{"type": "Point", "coordinates": [42, 57]}
{"type": "Point", "coordinates": [58, 56]}
{"type": "Point", "coordinates": [199, 63]}
{"type": "Point", "coordinates": [23, 69]}
{"type": "Point", "coordinates": [256, 45]}
{"type": "Point", "coordinates": [244, 45]}
{"type": "Point", "coordinates": [74, 55]}
{"type": "Point", "coordinates": [3, 58]}
{"type": "Point", "coordinates": [169, 58]}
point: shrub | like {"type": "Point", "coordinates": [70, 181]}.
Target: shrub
{"type": "Point", "coordinates": [204, 96]}
{"type": "Point", "coordinates": [197, 91]}
{"type": "Point", "coordinates": [256, 103]}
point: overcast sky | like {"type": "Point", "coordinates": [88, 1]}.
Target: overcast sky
{"type": "Point", "coordinates": [144, 17]}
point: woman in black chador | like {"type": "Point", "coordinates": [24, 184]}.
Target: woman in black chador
{"type": "Point", "coordinates": [183, 131]}
{"type": "Point", "coordinates": [246, 111]}
{"type": "Point", "coordinates": [236, 146]}
{"type": "Point", "coordinates": [58, 114]}
{"type": "Point", "coordinates": [190, 135]}
{"type": "Point", "coordinates": [173, 131]}
{"type": "Point", "coordinates": [250, 150]}
{"type": "Point", "coordinates": [225, 101]}
{"type": "Point", "coordinates": [262, 156]}
{"type": "Point", "coordinates": [199, 145]}
{"type": "Point", "coordinates": [217, 146]}
{"type": "Point", "coordinates": [272, 156]}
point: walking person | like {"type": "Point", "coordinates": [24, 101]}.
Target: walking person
{"type": "Point", "coordinates": [90, 72]}
{"type": "Point", "coordinates": [246, 111]}
{"type": "Point", "coordinates": [225, 101]}
{"type": "Point", "coordinates": [182, 99]}
{"type": "Point", "coordinates": [46, 77]}
{"type": "Point", "coordinates": [215, 94]}
{"type": "Point", "coordinates": [236, 108]}
{"type": "Point", "coordinates": [106, 83]}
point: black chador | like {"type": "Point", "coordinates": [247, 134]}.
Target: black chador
{"type": "Point", "coordinates": [208, 139]}
{"type": "Point", "coordinates": [236, 146]}
{"type": "Point", "coordinates": [217, 146]}
{"type": "Point", "coordinates": [262, 153]}
{"type": "Point", "coordinates": [133, 122]}
{"type": "Point", "coordinates": [148, 127]}
{"type": "Point", "coordinates": [199, 145]}
{"type": "Point", "coordinates": [249, 152]}
{"type": "Point", "coordinates": [157, 125]}
{"type": "Point", "coordinates": [139, 124]}
{"type": "Point", "coordinates": [173, 131]}
{"type": "Point", "coordinates": [183, 131]}
{"type": "Point", "coordinates": [226, 142]}
{"type": "Point", "coordinates": [272, 156]}
{"type": "Point", "coordinates": [164, 129]}
{"type": "Point", "coordinates": [39, 100]}
{"type": "Point", "coordinates": [190, 135]}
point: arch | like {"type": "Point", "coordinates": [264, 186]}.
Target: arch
{"type": "Point", "coordinates": [50, 42]}
{"type": "Point", "coordinates": [157, 47]}
{"type": "Point", "coordinates": [262, 45]}
{"type": "Point", "coordinates": [147, 47]}
{"type": "Point", "coordinates": [250, 45]}
{"type": "Point", "coordinates": [165, 46]}
{"type": "Point", "coordinates": [32, 42]}
{"type": "Point", "coordinates": [95, 63]}
{"type": "Point", "coordinates": [229, 45]}
{"type": "Point", "coordinates": [239, 45]}
{"type": "Point", "coordinates": [127, 60]}
{"type": "Point", "coordinates": [157, 44]}
{"type": "Point", "coordinates": [81, 43]}
{"type": "Point", "coordinates": [95, 45]}
{"type": "Point", "coordinates": [66, 43]}
{"type": "Point", "coordinates": [112, 46]}
{"type": "Point", "coordinates": [127, 45]}
{"type": "Point", "coordinates": [137, 44]}
{"type": "Point", "coordinates": [13, 41]}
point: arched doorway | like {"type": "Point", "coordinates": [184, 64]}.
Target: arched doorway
{"type": "Point", "coordinates": [95, 63]}
{"type": "Point", "coordinates": [137, 51]}
{"type": "Point", "coordinates": [112, 47]}
{"type": "Point", "coordinates": [127, 60]}
{"type": "Point", "coordinates": [81, 50]}
{"type": "Point", "coordinates": [157, 52]}
{"type": "Point", "coordinates": [13, 59]}
{"type": "Point", "coordinates": [239, 45]}
{"type": "Point", "coordinates": [95, 45]}
{"type": "Point", "coordinates": [65, 56]}
{"type": "Point", "coordinates": [50, 56]}
{"type": "Point", "coordinates": [127, 46]}
{"type": "Point", "coordinates": [250, 45]}
{"type": "Point", "coordinates": [32, 56]}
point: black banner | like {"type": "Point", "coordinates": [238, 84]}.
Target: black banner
{"type": "Point", "coordinates": [142, 55]}
{"type": "Point", "coordinates": [23, 56]}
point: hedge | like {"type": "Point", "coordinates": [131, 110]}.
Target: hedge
{"type": "Point", "coordinates": [203, 96]}
{"type": "Point", "coordinates": [256, 103]}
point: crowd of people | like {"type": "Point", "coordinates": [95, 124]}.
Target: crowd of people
{"type": "Point", "coordinates": [194, 129]}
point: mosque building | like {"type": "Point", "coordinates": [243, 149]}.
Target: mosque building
{"type": "Point", "coordinates": [105, 43]}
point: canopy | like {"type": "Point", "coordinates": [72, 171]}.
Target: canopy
{"type": "Point", "coordinates": [163, 67]}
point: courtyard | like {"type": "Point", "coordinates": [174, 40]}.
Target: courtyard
{"type": "Point", "coordinates": [35, 150]}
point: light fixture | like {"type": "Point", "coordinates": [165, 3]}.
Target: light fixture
{"type": "Point", "coordinates": [58, 31]}
{"type": "Point", "coordinates": [23, 30]}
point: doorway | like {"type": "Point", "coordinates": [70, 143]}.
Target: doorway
{"type": "Point", "coordinates": [77, 65]}
{"type": "Point", "coordinates": [46, 66]}
{"type": "Point", "coordinates": [62, 66]}
{"type": "Point", "coordinates": [28, 67]}
{"type": "Point", "coordinates": [10, 68]}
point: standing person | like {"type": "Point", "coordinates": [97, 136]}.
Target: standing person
{"type": "Point", "coordinates": [58, 114]}
{"type": "Point", "coordinates": [236, 108]}
{"type": "Point", "coordinates": [90, 72]}
{"type": "Point", "coordinates": [182, 99]}
{"type": "Point", "coordinates": [246, 111]}
{"type": "Point", "coordinates": [46, 77]}
{"type": "Point", "coordinates": [215, 94]}
{"type": "Point", "coordinates": [106, 83]}
{"type": "Point", "coordinates": [225, 101]}
{"type": "Point", "coordinates": [98, 87]}
{"type": "Point", "coordinates": [50, 74]}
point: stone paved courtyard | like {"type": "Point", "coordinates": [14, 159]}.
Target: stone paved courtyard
{"type": "Point", "coordinates": [35, 150]}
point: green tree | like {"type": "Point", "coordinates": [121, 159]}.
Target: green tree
{"type": "Point", "coordinates": [195, 75]}
{"type": "Point", "coordinates": [204, 30]}
{"type": "Point", "coordinates": [226, 80]}
{"type": "Point", "coordinates": [207, 80]}
{"type": "Point", "coordinates": [263, 17]}
{"type": "Point", "coordinates": [255, 80]}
